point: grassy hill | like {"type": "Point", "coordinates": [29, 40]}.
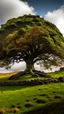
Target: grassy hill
{"type": "Point", "coordinates": [46, 99]}
{"type": "Point", "coordinates": [38, 99]}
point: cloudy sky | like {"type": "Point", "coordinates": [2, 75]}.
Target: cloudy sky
{"type": "Point", "coordinates": [51, 10]}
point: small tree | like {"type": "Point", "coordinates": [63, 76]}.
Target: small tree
{"type": "Point", "coordinates": [33, 46]}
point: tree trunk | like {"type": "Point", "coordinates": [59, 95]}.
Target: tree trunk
{"type": "Point", "coordinates": [29, 70]}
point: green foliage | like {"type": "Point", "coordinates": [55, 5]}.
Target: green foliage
{"type": "Point", "coordinates": [57, 74]}
{"type": "Point", "coordinates": [36, 35]}
{"type": "Point", "coordinates": [31, 36]}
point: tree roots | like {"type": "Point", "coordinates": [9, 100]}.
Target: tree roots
{"type": "Point", "coordinates": [34, 73]}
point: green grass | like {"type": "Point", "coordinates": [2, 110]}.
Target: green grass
{"type": "Point", "coordinates": [33, 99]}
{"type": "Point", "coordinates": [57, 74]}
{"type": "Point", "coordinates": [30, 77]}
{"type": "Point", "coordinates": [22, 96]}
{"type": "Point", "coordinates": [54, 75]}
{"type": "Point", "coordinates": [52, 108]}
{"type": "Point", "coordinates": [5, 76]}
{"type": "Point", "coordinates": [24, 77]}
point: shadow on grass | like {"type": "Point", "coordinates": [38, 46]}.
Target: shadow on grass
{"type": "Point", "coordinates": [53, 108]}
{"type": "Point", "coordinates": [11, 88]}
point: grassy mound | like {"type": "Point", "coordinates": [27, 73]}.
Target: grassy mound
{"type": "Point", "coordinates": [24, 99]}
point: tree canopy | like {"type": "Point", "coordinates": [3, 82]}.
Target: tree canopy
{"type": "Point", "coordinates": [35, 42]}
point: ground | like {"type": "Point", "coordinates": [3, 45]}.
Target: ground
{"type": "Point", "coordinates": [54, 75]}
{"type": "Point", "coordinates": [33, 99]}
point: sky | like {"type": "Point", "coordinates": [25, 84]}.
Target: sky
{"type": "Point", "coordinates": [51, 10]}
{"type": "Point", "coordinates": [43, 6]}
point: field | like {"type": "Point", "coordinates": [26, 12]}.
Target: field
{"type": "Point", "coordinates": [32, 99]}
{"type": "Point", "coordinates": [5, 76]}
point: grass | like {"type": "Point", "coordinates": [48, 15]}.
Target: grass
{"type": "Point", "coordinates": [5, 76]}
{"type": "Point", "coordinates": [57, 74]}
{"type": "Point", "coordinates": [54, 75]}
{"type": "Point", "coordinates": [26, 99]}
{"type": "Point", "coordinates": [52, 108]}
{"type": "Point", "coordinates": [29, 77]}
{"type": "Point", "coordinates": [32, 99]}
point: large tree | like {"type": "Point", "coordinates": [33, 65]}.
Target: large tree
{"type": "Point", "coordinates": [36, 44]}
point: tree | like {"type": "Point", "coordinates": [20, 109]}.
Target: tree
{"type": "Point", "coordinates": [34, 45]}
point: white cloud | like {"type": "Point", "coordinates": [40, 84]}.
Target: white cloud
{"type": "Point", "coordinates": [57, 17]}
{"type": "Point", "coordinates": [13, 8]}
{"type": "Point", "coordinates": [21, 66]}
